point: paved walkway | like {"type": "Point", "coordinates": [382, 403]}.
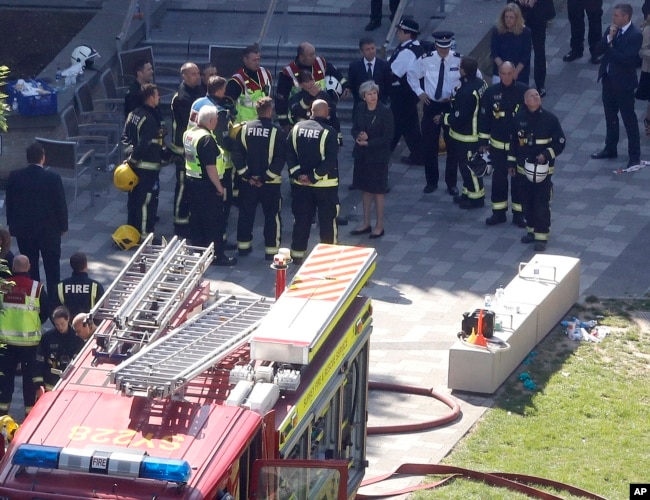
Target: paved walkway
{"type": "Point", "coordinates": [437, 261]}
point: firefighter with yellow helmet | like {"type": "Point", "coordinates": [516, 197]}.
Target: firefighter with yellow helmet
{"type": "Point", "coordinates": [204, 170]}
{"type": "Point", "coordinates": [143, 136]}
{"type": "Point", "coordinates": [537, 138]}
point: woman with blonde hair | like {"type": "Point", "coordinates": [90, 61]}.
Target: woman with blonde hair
{"type": "Point", "coordinates": [511, 41]}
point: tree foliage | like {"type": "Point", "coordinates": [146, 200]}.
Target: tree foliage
{"type": "Point", "coordinates": [4, 107]}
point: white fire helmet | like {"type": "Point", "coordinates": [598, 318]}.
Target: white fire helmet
{"type": "Point", "coordinates": [535, 172]}
{"type": "Point", "coordinates": [85, 55]}
{"type": "Point", "coordinates": [333, 86]}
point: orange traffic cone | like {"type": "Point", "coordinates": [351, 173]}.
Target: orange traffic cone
{"type": "Point", "coordinates": [480, 339]}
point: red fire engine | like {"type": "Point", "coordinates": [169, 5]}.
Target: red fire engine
{"type": "Point", "coordinates": [183, 395]}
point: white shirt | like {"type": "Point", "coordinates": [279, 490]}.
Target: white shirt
{"type": "Point", "coordinates": [428, 67]}
{"type": "Point", "coordinates": [372, 64]}
{"type": "Point", "coordinates": [404, 59]}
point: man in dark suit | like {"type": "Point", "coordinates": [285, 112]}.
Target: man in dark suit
{"type": "Point", "coordinates": [369, 67]}
{"type": "Point", "coordinates": [620, 47]}
{"type": "Point", "coordinates": [37, 215]}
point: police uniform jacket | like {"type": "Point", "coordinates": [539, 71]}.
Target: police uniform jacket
{"type": "Point", "coordinates": [534, 133]}
{"type": "Point", "coordinates": [499, 105]}
{"type": "Point", "coordinates": [465, 106]}
{"type": "Point", "coordinates": [78, 293]}
{"type": "Point", "coordinates": [260, 150]}
{"type": "Point", "coordinates": [312, 150]}
{"type": "Point", "coordinates": [53, 355]}
{"type": "Point", "coordinates": [143, 131]}
{"type": "Point", "coordinates": [428, 68]}
{"type": "Point", "coordinates": [402, 59]}
{"type": "Point", "coordinates": [288, 83]}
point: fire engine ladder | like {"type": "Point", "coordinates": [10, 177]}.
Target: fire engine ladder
{"type": "Point", "coordinates": [165, 367]}
{"type": "Point", "coordinates": [144, 297]}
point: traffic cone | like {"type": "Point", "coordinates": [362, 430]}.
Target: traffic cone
{"type": "Point", "coordinates": [480, 339]}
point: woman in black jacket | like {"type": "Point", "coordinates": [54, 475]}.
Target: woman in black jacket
{"type": "Point", "coordinates": [372, 130]}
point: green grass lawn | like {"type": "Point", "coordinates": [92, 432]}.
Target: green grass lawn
{"type": "Point", "coordinates": [587, 424]}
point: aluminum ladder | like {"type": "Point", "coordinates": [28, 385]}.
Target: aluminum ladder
{"type": "Point", "coordinates": [165, 367]}
{"type": "Point", "coordinates": [147, 293]}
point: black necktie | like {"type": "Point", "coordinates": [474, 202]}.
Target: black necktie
{"type": "Point", "coordinates": [369, 71]}
{"type": "Point", "coordinates": [441, 80]}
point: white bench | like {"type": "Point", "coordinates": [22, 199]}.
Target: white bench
{"type": "Point", "coordinates": [536, 305]}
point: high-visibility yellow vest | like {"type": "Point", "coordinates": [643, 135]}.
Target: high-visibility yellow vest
{"type": "Point", "coordinates": [191, 140]}
{"type": "Point", "coordinates": [20, 324]}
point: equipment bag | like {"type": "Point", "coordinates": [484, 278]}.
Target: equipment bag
{"type": "Point", "coordinates": [470, 320]}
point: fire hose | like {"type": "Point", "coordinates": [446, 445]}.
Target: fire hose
{"type": "Point", "coordinates": [517, 482]}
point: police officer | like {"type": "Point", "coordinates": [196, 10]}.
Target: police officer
{"type": "Point", "coordinates": [537, 139]}
{"type": "Point", "coordinates": [403, 101]}
{"type": "Point", "coordinates": [249, 83]}
{"type": "Point", "coordinates": [223, 134]}
{"type": "Point", "coordinates": [440, 70]}
{"type": "Point", "coordinates": [259, 156]}
{"type": "Point", "coordinates": [56, 349]}
{"type": "Point", "coordinates": [463, 131]}
{"type": "Point", "coordinates": [25, 307]}
{"type": "Point", "coordinates": [498, 107]}
{"type": "Point", "coordinates": [312, 151]}
{"type": "Point", "coordinates": [78, 293]}
{"type": "Point", "coordinates": [204, 172]}
{"type": "Point", "coordinates": [143, 136]}
{"type": "Point", "coordinates": [288, 85]}
{"type": "Point", "coordinates": [189, 91]}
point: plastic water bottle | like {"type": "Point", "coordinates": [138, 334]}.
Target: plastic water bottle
{"type": "Point", "coordinates": [536, 270]}
{"type": "Point", "coordinates": [499, 296]}
{"type": "Point", "coordinates": [14, 105]}
{"type": "Point", "coordinates": [488, 301]}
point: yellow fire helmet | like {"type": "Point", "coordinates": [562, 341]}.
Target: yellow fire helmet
{"type": "Point", "coordinates": [233, 129]}
{"type": "Point", "coordinates": [126, 237]}
{"type": "Point", "coordinates": [124, 178]}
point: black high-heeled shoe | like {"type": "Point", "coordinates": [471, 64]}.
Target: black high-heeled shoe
{"type": "Point", "coordinates": [357, 232]}
{"type": "Point", "coordinates": [374, 236]}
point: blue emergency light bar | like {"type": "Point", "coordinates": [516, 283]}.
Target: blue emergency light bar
{"type": "Point", "coordinates": [116, 464]}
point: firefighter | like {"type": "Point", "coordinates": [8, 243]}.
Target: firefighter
{"type": "Point", "coordinates": [143, 70]}
{"type": "Point", "coordinates": [300, 103]}
{"type": "Point", "coordinates": [83, 326]}
{"type": "Point", "coordinates": [463, 132]}
{"type": "Point", "coordinates": [143, 136]}
{"type": "Point", "coordinates": [25, 308]}
{"type": "Point", "coordinates": [501, 102]}
{"type": "Point", "coordinates": [188, 91]}
{"type": "Point", "coordinates": [204, 170]}
{"type": "Point", "coordinates": [537, 139]}
{"type": "Point", "coordinates": [226, 113]}
{"type": "Point", "coordinates": [56, 349]}
{"type": "Point", "coordinates": [288, 85]}
{"type": "Point", "coordinates": [259, 156]}
{"type": "Point", "coordinates": [78, 293]}
{"type": "Point", "coordinates": [249, 83]}
{"type": "Point", "coordinates": [312, 151]}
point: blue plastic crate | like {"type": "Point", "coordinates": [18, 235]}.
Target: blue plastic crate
{"type": "Point", "coordinates": [35, 105]}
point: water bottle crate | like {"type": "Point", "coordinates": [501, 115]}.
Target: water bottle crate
{"type": "Point", "coordinates": [43, 102]}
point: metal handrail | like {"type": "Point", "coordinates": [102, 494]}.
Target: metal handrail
{"type": "Point", "coordinates": [126, 25]}
{"type": "Point", "coordinates": [267, 20]}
